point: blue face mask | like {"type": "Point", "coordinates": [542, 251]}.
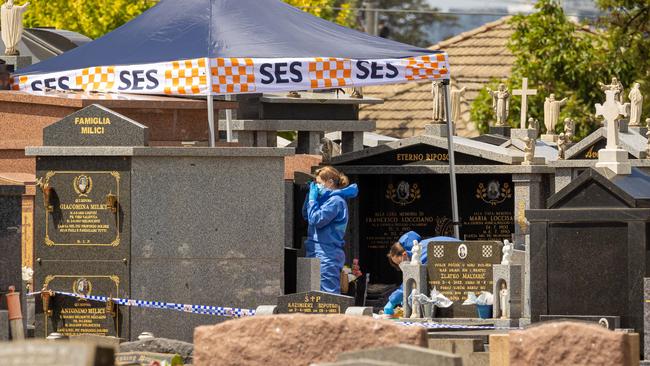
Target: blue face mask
{"type": "Point", "coordinates": [321, 188]}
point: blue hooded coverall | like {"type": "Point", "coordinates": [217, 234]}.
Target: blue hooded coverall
{"type": "Point", "coordinates": [328, 218]}
{"type": "Point", "coordinates": [406, 241]}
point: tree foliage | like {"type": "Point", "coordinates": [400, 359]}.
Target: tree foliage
{"type": "Point", "coordinates": [568, 59]}
{"type": "Point", "coordinates": [337, 11]}
{"type": "Point", "coordinates": [91, 18]}
{"type": "Point", "coordinates": [94, 18]}
{"type": "Point", "coordinates": [408, 27]}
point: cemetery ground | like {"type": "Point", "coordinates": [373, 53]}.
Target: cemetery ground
{"type": "Point", "coordinates": [126, 271]}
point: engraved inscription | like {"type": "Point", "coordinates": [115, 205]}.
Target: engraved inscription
{"type": "Point", "coordinates": [81, 215]}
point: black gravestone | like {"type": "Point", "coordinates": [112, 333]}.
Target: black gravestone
{"type": "Point", "coordinates": [314, 302]}
{"type": "Point", "coordinates": [83, 226]}
{"type": "Point", "coordinates": [589, 249]}
{"type": "Point", "coordinates": [458, 268]}
{"type": "Point", "coordinates": [390, 205]}
{"type": "Point", "coordinates": [10, 238]}
{"type": "Point", "coordinates": [95, 126]}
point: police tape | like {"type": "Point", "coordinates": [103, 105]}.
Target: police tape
{"type": "Point", "coordinates": [433, 325]}
{"type": "Point", "coordinates": [187, 308]}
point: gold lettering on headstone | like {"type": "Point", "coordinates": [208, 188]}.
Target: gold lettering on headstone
{"type": "Point", "coordinates": [82, 211]}
{"type": "Point", "coordinates": [422, 157]}
{"type": "Point", "coordinates": [78, 316]}
{"type": "Point", "coordinates": [591, 154]}
{"type": "Point", "coordinates": [92, 125]}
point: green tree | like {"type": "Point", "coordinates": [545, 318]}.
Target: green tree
{"type": "Point", "coordinates": [94, 18]}
{"type": "Point", "coordinates": [337, 11]}
{"type": "Point", "coordinates": [568, 59]}
{"type": "Point", "coordinates": [410, 27]}
{"type": "Point", "coordinates": [91, 18]}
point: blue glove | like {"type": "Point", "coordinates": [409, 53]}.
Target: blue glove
{"type": "Point", "coordinates": [313, 191]}
{"type": "Point", "coordinates": [388, 309]}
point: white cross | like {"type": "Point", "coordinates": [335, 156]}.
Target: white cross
{"type": "Point", "coordinates": [524, 92]}
{"type": "Point", "coordinates": [610, 111]}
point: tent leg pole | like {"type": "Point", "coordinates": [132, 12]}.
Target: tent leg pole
{"type": "Point", "coordinates": [229, 121]}
{"type": "Point", "coordinates": [211, 119]}
{"type": "Point", "coordinates": [452, 163]}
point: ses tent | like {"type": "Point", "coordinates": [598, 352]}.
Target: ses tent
{"type": "Point", "coordinates": [196, 47]}
{"type": "Point", "coordinates": [221, 47]}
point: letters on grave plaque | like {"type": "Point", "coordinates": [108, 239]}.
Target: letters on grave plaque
{"type": "Point", "coordinates": [82, 207]}
{"type": "Point", "coordinates": [314, 302]}
{"type": "Point", "coordinates": [392, 205]}
{"type": "Point", "coordinates": [458, 268]}
{"type": "Point", "coordinates": [76, 316]}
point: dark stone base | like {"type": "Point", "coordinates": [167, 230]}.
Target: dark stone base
{"type": "Point", "coordinates": [503, 131]}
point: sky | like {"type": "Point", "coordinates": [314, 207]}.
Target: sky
{"type": "Point", "coordinates": [478, 4]}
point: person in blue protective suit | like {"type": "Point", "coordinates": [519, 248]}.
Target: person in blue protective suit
{"type": "Point", "coordinates": [326, 211]}
{"type": "Point", "coordinates": [401, 251]}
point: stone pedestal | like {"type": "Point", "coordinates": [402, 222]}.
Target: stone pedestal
{"type": "Point", "coordinates": [550, 138]}
{"type": "Point", "coordinates": [309, 142]}
{"type": "Point", "coordinates": [351, 141]}
{"type": "Point", "coordinates": [529, 194]}
{"type": "Point", "coordinates": [511, 276]}
{"type": "Point", "coordinates": [307, 274]}
{"type": "Point", "coordinates": [501, 130]}
{"type": "Point", "coordinates": [436, 129]}
{"type": "Point", "coordinates": [414, 276]}
{"type": "Point", "coordinates": [615, 160]}
{"type": "Point", "coordinates": [18, 62]}
{"type": "Point", "coordinates": [521, 133]}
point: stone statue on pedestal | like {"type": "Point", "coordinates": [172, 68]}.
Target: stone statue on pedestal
{"type": "Point", "coordinates": [415, 313]}
{"type": "Point", "coordinates": [507, 252]}
{"type": "Point", "coordinates": [504, 301]}
{"type": "Point", "coordinates": [569, 127]}
{"type": "Point", "coordinates": [561, 145]}
{"type": "Point", "coordinates": [455, 103]}
{"type": "Point", "coordinates": [552, 113]}
{"type": "Point", "coordinates": [500, 104]}
{"type": "Point", "coordinates": [616, 86]}
{"type": "Point", "coordinates": [529, 151]}
{"type": "Point", "coordinates": [11, 21]}
{"type": "Point", "coordinates": [415, 253]}
{"type": "Point", "coordinates": [533, 124]}
{"type": "Point", "coordinates": [438, 92]}
{"type": "Point", "coordinates": [636, 105]}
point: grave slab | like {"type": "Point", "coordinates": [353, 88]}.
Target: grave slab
{"type": "Point", "coordinates": [48, 353]}
{"type": "Point", "coordinates": [314, 302]}
{"type": "Point", "coordinates": [405, 354]}
{"type": "Point", "coordinates": [458, 268]}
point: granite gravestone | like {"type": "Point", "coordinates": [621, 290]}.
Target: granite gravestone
{"type": "Point", "coordinates": [390, 205]}
{"type": "Point", "coordinates": [314, 302]}
{"type": "Point", "coordinates": [458, 268]}
{"type": "Point", "coordinates": [187, 228]}
{"type": "Point", "coordinates": [82, 224]}
{"type": "Point", "coordinates": [96, 126]}
{"type": "Point", "coordinates": [588, 249]}
{"type": "Point", "coordinates": [10, 237]}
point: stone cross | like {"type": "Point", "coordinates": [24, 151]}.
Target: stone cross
{"type": "Point", "coordinates": [610, 111]}
{"type": "Point", "coordinates": [524, 92]}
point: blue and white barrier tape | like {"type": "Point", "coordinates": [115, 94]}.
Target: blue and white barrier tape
{"type": "Point", "coordinates": [433, 325]}
{"type": "Point", "coordinates": [188, 308]}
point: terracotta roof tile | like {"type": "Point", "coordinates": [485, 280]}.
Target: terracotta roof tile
{"type": "Point", "coordinates": [476, 57]}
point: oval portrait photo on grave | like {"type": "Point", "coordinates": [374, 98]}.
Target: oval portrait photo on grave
{"type": "Point", "coordinates": [82, 286]}
{"type": "Point", "coordinates": [462, 251]}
